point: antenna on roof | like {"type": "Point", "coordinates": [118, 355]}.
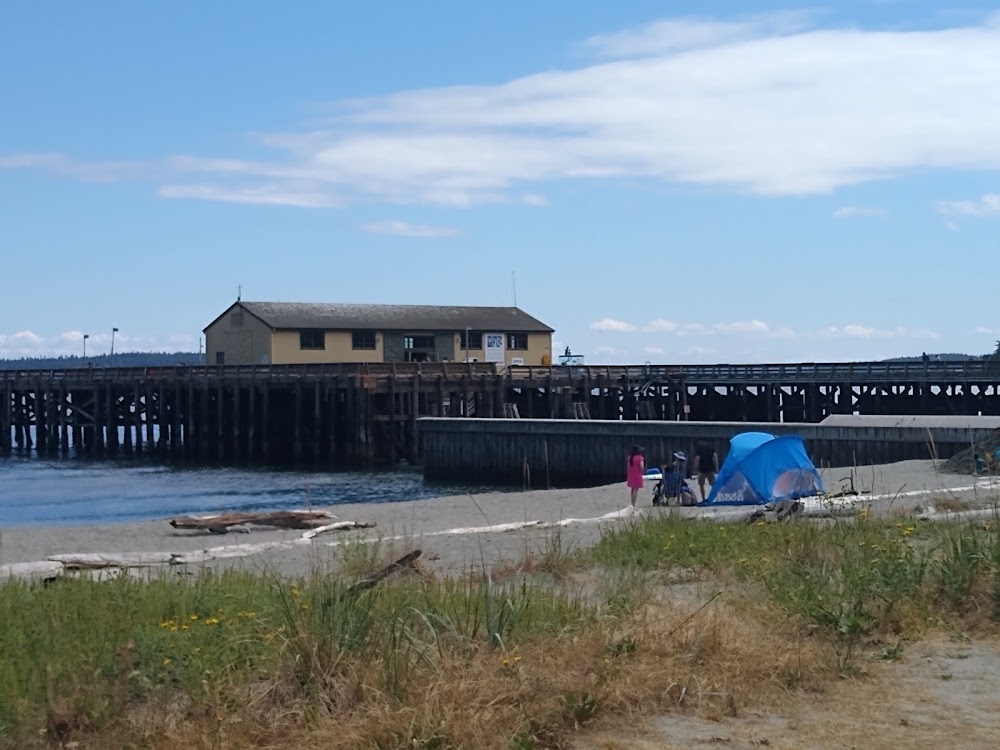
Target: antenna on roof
{"type": "Point", "coordinates": [513, 283]}
{"type": "Point", "coordinates": [239, 292]}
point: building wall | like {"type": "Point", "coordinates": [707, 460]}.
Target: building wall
{"type": "Point", "coordinates": [285, 345]}
{"type": "Point", "coordinates": [246, 344]}
{"type": "Point", "coordinates": [539, 351]}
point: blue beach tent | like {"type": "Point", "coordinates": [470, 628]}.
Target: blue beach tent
{"type": "Point", "coordinates": [761, 468]}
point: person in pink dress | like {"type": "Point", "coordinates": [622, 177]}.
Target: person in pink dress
{"type": "Point", "coordinates": [634, 470]}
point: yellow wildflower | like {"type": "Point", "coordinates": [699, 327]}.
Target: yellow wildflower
{"type": "Point", "coordinates": [166, 661]}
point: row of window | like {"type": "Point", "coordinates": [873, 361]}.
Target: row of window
{"type": "Point", "coordinates": [365, 340]}
{"type": "Point", "coordinates": [475, 340]}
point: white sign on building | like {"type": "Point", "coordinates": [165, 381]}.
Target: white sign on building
{"type": "Point", "coordinates": [493, 344]}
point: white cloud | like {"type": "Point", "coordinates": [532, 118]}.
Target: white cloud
{"type": "Point", "coordinates": [654, 350]}
{"type": "Point", "coordinates": [275, 195]}
{"type": "Point", "coordinates": [743, 326]}
{"type": "Point", "coordinates": [690, 329]}
{"type": "Point", "coordinates": [605, 350]}
{"type": "Point", "coordinates": [405, 229]}
{"type": "Point", "coordinates": [984, 330]}
{"type": "Point", "coordinates": [988, 205]}
{"type": "Point", "coordinates": [848, 212]}
{"type": "Point", "coordinates": [951, 226]}
{"type": "Point", "coordinates": [534, 199]}
{"type": "Point", "coordinates": [738, 327]}
{"type": "Point", "coordinates": [769, 105]}
{"type": "Point", "coordinates": [857, 331]}
{"type": "Point", "coordinates": [660, 326]}
{"type": "Point", "coordinates": [610, 324]}
{"type": "Point", "coordinates": [60, 164]}
{"type": "Point", "coordinates": [691, 33]}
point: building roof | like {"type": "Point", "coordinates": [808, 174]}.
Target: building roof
{"type": "Point", "coordinates": [341, 316]}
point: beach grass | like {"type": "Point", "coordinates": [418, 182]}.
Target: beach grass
{"type": "Point", "coordinates": [847, 581]}
{"type": "Point", "coordinates": [662, 614]}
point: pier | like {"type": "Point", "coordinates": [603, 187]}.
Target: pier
{"type": "Point", "coordinates": [361, 414]}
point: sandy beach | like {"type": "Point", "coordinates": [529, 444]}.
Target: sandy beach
{"type": "Point", "coordinates": [455, 533]}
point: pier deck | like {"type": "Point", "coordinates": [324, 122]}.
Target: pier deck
{"type": "Point", "coordinates": [356, 414]}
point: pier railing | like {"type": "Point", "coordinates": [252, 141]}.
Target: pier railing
{"type": "Point", "coordinates": [237, 372]}
{"type": "Point", "coordinates": [802, 372]}
{"type": "Point", "coordinates": [972, 371]}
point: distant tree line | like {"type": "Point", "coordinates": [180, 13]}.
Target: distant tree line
{"type": "Point", "coordinates": [123, 359]}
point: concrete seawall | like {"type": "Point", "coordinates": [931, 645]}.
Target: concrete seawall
{"type": "Point", "coordinates": [581, 453]}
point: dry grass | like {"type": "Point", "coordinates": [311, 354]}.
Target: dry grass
{"type": "Point", "coordinates": [727, 659]}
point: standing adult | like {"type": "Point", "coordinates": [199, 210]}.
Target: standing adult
{"type": "Point", "coordinates": [706, 466]}
{"type": "Point", "coordinates": [635, 469]}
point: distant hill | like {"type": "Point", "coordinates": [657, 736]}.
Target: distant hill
{"type": "Point", "coordinates": [125, 359]}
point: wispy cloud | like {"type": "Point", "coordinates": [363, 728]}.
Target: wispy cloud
{"type": "Point", "coordinates": [743, 326]}
{"type": "Point", "coordinates": [988, 205]}
{"type": "Point", "coordinates": [773, 105]}
{"type": "Point", "coordinates": [64, 166]}
{"type": "Point", "coordinates": [660, 326]}
{"type": "Point", "coordinates": [610, 324]}
{"type": "Point", "coordinates": [405, 229]}
{"type": "Point", "coordinates": [984, 330]}
{"type": "Point", "coordinates": [275, 195]}
{"type": "Point", "coordinates": [675, 35]}
{"type": "Point", "coordinates": [850, 212]}
{"type": "Point", "coordinates": [857, 331]}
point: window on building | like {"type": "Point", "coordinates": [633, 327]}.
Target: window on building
{"type": "Point", "coordinates": [475, 340]}
{"type": "Point", "coordinates": [517, 341]}
{"type": "Point", "coordinates": [363, 340]}
{"type": "Point", "coordinates": [236, 320]}
{"type": "Point", "coordinates": [312, 339]}
{"type": "Point", "coordinates": [220, 358]}
{"type": "Point", "coordinates": [418, 342]}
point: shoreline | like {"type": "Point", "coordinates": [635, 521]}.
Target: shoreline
{"type": "Point", "coordinates": [457, 533]}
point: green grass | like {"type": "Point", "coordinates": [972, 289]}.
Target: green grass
{"type": "Point", "coordinates": [78, 653]}
{"type": "Point", "coordinates": [847, 580]}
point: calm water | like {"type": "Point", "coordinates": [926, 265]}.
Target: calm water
{"type": "Point", "coordinates": [35, 492]}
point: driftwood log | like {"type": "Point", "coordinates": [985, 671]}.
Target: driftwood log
{"type": "Point", "coordinates": [284, 519]}
{"type": "Point", "coordinates": [406, 561]}
{"type": "Point", "coordinates": [337, 526]}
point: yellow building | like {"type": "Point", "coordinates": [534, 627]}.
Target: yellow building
{"type": "Point", "coordinates": [285, 333]}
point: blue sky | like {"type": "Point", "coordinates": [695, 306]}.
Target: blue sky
{"type": "Point", "coordinates": [804, 183]}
